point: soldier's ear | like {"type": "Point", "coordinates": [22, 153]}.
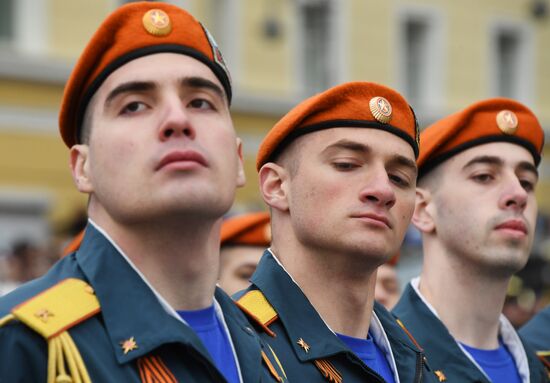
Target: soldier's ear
{"type": "Point", "coordinates": [274, 186]}
{"type": "Point", "coordinates": [80, 168]}
{"type": "Point", "coordinates": [423, 217]}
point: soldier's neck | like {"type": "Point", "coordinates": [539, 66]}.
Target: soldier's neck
{"type": "Point", "coordinates": [181, 261]}
{"type": "Point", "coordinates": [341, 294]}
{"type": "Point", "coordinates": [467, 301]}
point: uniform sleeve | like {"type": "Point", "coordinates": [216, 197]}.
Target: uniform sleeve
{"type": "Point", "coordinates": [23, 355]}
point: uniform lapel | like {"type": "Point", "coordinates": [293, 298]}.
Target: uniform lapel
{"type": "Point", "coordinates": [130, 309]}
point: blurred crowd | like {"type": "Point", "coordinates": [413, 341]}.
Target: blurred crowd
{"type": "Point", "coordinates": [26, 259]}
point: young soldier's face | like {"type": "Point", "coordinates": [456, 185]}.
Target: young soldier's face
{"type": "Point", "coordinates": [484, 208]}
{"type": "Point", "coordinates": [162, 142]}
{"type": "Point", "coordinates": [353, 191]}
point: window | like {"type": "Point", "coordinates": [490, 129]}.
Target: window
{"type": "Point", "coordinates": [416, 44]}
{"type": "Point", "coordinates": [7, 22]}
{"type": "Point", "coordinates": [23, 25]}
{"type": "Point", "coordinates": [315, 48]}
{"type": "Point", "coordinates": [23, 215]}
{"type": "Point", "coordinates": [419, 57]}
{"type": "Point", "coordinates": [507, 49]}
{"type": "Point", "coordinates": [511, 64]}
{"type": "Point", "coordinates": [223, 23]}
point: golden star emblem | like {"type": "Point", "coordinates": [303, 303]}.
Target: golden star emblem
{"type": "Point", "coordinates": [157, 22]}
{"type": "Point", "coordinates": [44, 315]}
{"type": "Point", "coordinates": [302, 343]}
{"type": "Point", "coordinates": [158, 19]}
{"type": "Point", "coordinates": [128, 345]}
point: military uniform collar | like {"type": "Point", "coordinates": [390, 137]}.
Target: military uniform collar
{"type": "Point", "coordinates": [302, 321]}
{"type": "Point", "coordinates": [131, 308]}
{"type": "Point", "coordinates": [292, 308]}
{"type": "Point", "coordinates": [506, 331]}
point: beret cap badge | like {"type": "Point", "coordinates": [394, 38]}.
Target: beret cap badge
{"type": "Point", "coordinates": [381, 109]}
{"type": "Point", "coordinates": [507, 121]}
{"type": "Point", "coordinates": [157, 22]}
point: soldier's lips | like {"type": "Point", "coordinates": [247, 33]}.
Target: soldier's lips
{"type": "Point", "coordinates": [182, 159]}
{"type": "Point", "coordinates": [515, 227]}
{"type": "Point", "coordinates": [374, 219]}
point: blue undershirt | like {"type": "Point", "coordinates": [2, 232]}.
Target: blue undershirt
{"type": "Point", "coordinates": [370, 353]}
{"type": "Point", "coordinates": [211, 332]}
{"type": "Point", "coordinates": [498, 364]}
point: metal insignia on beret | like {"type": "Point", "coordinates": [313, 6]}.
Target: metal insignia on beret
{"type": "Point", "coordinates": [381, 109]}
{"type": "Point", "coordinates": [157, 22]}
{"type": "Point", "coordinates": [507, 121]}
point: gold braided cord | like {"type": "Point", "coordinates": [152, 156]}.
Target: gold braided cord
{"type": "Point", "coordinates": [278, 362]}
{"type": "Point", "coordinates": [61, 373]}
{"type": "Point", "coordinates": [77, 358]}
{"type": "Point", "coordinates": [63, 353]}
{"type": "Point", "coordinates": [69, 358]}
{"type": "Point", "coordinates": [270, 367]}
{"type": "Point", "coordinates": [52, 357]}
{"type": "Point", "coordinates": [6, 319]}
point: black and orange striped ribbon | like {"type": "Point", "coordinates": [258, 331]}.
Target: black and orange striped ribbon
{"type": "Point", "coordinates": [153, 370]}
{"type": "Point", "coordinates": [328, 370]}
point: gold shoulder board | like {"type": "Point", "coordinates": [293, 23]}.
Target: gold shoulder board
{"type": "Point", "coordinates": [256, 306]}
{"type": "Point", "coordinates": [51, 313]}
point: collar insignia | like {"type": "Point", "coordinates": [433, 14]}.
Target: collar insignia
{"type": "Point", "coordinates": [302, 343]}
{"type": "Point", "coordinates": [128, 345]}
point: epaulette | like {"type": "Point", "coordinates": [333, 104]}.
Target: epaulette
{"type": "Point", "coordinates": [51, 313]}
{"type": "Point", "coordinates": [255, 305]}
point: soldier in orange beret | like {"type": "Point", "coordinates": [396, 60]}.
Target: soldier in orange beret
{"type": "Point", "coordinates": [476, 210]}
{"type": "Point", "coordinates": [243, 240]}
{"type": "Point", "coordinates": [145, 114]}
{"type": "Point", "coordinates": [339, 175]}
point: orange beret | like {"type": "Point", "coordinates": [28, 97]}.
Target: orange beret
{"type": "Point", "coordinates": [493, 120]}
{"type": "Point", "coordinates": [132, 31]}
{"type": "Point", "coordinates": [353, 104]}
{"type": "Point", "coordinates": [247, 229]}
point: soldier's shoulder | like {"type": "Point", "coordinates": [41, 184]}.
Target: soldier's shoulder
{"type": "Point", "coordinates": [258, 309]}
{"type": "Point", "coordinates": [35, 330]}
{"type": "Point", "coordinates": [63, 269]}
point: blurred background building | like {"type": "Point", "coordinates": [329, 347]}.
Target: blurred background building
{"type": "Point", "coordinates": [441, 54]}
